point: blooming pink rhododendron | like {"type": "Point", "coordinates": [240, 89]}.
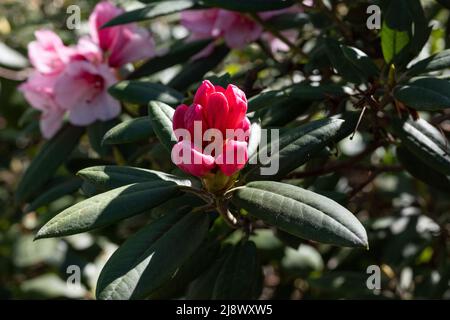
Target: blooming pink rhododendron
{"type": "Point", "coordinates": [73, 80]}
{"type": "Point", "coordinates": [122, 44]}
{"type": "Point", "coordinates": [213, 108]}
{"type": "Point", "coordinates": [236, 29]}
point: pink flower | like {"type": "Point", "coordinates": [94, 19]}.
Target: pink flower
{"type": "Point", "coordinates": [213, 108]}
{"type": "Point", "coordinates": [48, 54]}
{"type": "Point", "coordinates": [39, 92]}
{"type": "Point", "coordinates": [236, 29]}
{"type": "Point", "coordinates": [121, 44]}
{"type": "Point", "coordinates": [81, 89]}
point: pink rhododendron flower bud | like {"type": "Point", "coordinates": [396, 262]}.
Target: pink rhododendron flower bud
{"type": "Point", "coordinates": [217, 118]}
{"type": "Point", "coordinates": [82, 90]}
{"type": "Point", "coordinates": [122, 44]}
{"type": "Point", "coordinates": [39, 92]}
{"type": "Point", "coordinates": [48, 54]}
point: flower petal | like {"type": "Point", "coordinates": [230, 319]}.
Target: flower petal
{"type": "Point", "coordinates": [233, 158]}
{"type": "Point", "coordinates": [190, 160]}
{"type": "Point", "coordinates": [203, 92]}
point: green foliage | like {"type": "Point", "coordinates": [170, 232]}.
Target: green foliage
{"type": "Point", "coordinates": [157, 233]}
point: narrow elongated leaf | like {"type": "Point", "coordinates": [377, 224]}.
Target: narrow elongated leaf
{"type": "Point", "coordinates": [352, 64]}
{"type": "Point", "coordinates": [296, 146]}
{"type": "Point", "coordinates": [54, 193]}
{"type": "Point", "coordinates": [436, 62]}
{"type": "Point", "coordinates": [151, 11]}
{"type": "Point", "coordinates": [161, 116]}
{"type": "Point", "coordinates": [302, 213]}
{"type": "Point", "coordinates": [195, 70]}
{"type": "Point", "coordinates": [240, 276]}
{"type": "Point", "coordinates": [107, 208]}
{"type": "Point", "coordinates": [202, 288]}
{"type": "Point", "coordinates": [249, 5]}
{"type": "Point", "coordinates": [198, 263]}
{"type": "Point", "coordinates": [422, 171]}
{"type": "Point", "coordinates": [47, 161]}
{"type": "Point", "coordinates": [426, 142]}
{"type": "Point", "coordinates": [425, 94]}
{"type": "Point", "coordinates": [177, 54]}
{"type": "Point", "coordinates": [110, 177]}
{"type": "Point", "coordinates": [147, 260]}
{"type": "Point", "coordinates": [129, 131]}
{"type": "Point", "coordinates": [96, 131]}
{"type": "Point", "coordinates": [296, 92]}
{"type": "Point", "coordinates": [142, 92]}
{"type": "Point", "coordinates": [392, 42]}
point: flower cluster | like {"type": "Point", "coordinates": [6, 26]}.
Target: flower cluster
{"type": "Point", "coordinates": [236, 29]}
{"type": "Point", "coordinates": [213, 132]}
{"type": "Point", "coordinates": [73, 80]}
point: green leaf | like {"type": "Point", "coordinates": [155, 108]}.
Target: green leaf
{"type": "Point", "coordinates": [302, 213]}
{"type": "Point", "coordinates": [67, 187]}
{"type": "Point", "coordinates": [301, 91]}
{"type": "Point", "coordinates": [286, 21]}
{"type": "Point", "coordinates": [240, 276]}
{"type": "Point", "coordinates": [151, 11]}
{"type": "Point", "coordinates": [148, 259]}
{"type": "Point", "coordinates": [425, 94]}
{"type": "Point", "coordinates": [96, 131]}
{"type": "Point", "coordinates": [254, 139]}
{"type": "Point", "coordinates": [351, 63]}
{"type": "Point", "coordinates": [202, 288]}
{"type": "Point", "coordinates": [196, 265]}
{"type": "Point", "coordinates": [297, 146]}
{"type": "Point", "coordinates": [194, 71]}
{"type": "Point", "coordinates": [360, 61]}
{"type": "Point", "coordinates": [425, 142]}
{"type": "Point", "coordinates": [392, 42]}
{"type": "Point", "coordinates": [129, 131]}
{"type": "Point", "coordinates": [47, 161]}
{"type": "Point", "coordinates": [142, 92]}
{"type": "Point", "coordinates": [249, 5]}
{"type": "Point", "coordinates": [422, 171]}
{"type": "Point", "coordinates": [161, 116]}
{"type": "Point", "coordinates": [436, 62]}
{"type": "Point", "coordinates": [111, 177]}
{"type": "Point", "coordinates": [107, 208]}
{"type": "Point", "coordinates": [176, 54]}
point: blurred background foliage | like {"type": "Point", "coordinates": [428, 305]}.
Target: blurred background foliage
{"type": "Point", "coordinates": [408, 221]}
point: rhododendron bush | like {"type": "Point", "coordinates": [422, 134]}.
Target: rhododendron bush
{"type": "Point", "coordinates": [226, 149]}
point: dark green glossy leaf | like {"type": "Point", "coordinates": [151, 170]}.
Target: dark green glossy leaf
{"type": "Point", "coordinates": [436, 62]}
{"type": "Point", "coordinates": [302, 213]}
{"type": "Point", "coordinates": [424, 141]}
{"type": "Point", "coordinates": [110, 177]}
{"type": "Point", "coordinates": [107, 208]}
{"type": "Point", "coordinates": [422, 171]}
{"type": "Point", "coordinates": [151, 11]}
{"type": "Point", "coordinates": [54, 193]}
{"type": "Point", "coordinates": [142, 92]}
{"type": "Point", "coordinates": [297, 146]}
{"type": "Point", "coordinates": [47, 161]}
{"type": "Point", "coordinates": [161, 116]}
{"type": "Point", "coordinates": [177, 54]}
{"type": "Point", "coordinates": [249, 5]}
{"type": "Point", "coordinates": [194, 71]}
{"type": "Point", "coordinates": [129, 131]}
{"type": "Point", "coordinates": [143, 264]}
{"type": "Point", "coordinates": [240, 276]}
{"type": "Point", "coordinates": [425, 94]}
